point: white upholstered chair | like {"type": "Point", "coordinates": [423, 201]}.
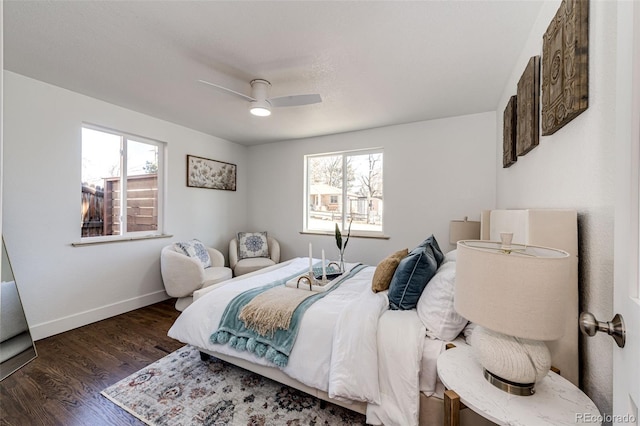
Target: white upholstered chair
{"type": "Point", "coordinates": [182, 274]}
{"type": "Point", "coordinates": [250, 264]}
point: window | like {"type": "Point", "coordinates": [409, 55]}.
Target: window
{"type": "Point", "coordinates": [120, 173]}
{"type": "Point", "coordinates": [343, 188]}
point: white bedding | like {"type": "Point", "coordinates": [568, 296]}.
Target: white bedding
{"type": "Point", "coordinates": [430, 384]}
{"type": "Point", "coordinates": [323, 356]}
{"type": "Point", "coordinates": [431, 349]}
{"type": "Point", "coordinates": [400, 337]}
{"type": "Point", "coordinates": [362, 340]}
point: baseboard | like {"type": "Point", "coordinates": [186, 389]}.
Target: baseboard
{"type": "Point", "coordinates": [60, 325]}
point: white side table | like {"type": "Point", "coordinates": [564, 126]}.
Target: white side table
{"type": "Point", "coordinates": [556, 401]}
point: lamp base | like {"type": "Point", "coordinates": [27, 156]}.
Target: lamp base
{"type": "Point", "coordinates": [520, 389]}
{"type": "Point", "coordinates": [511, 361]}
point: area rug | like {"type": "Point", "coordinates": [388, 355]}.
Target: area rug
{"type": "Point", "coordinates": [182, 390]}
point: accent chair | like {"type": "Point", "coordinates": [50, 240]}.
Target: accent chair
{"type": "Point", "coordinates": [183, 274]}
{"type": "Point", "coordinates": [244, 259]}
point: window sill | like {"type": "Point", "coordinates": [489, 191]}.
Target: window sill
{"type": "Point", "coordinates": [354, 234]}
{"type": "Point", "coordinates": [107, 240]}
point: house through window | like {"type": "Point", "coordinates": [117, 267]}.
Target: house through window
{"type": "Point", "coordinates": [121, 184]}
{"type": "Point", "coordinates": [343, 188]}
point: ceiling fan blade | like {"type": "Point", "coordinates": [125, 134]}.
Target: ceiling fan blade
{"type": "Point", "coordinates": [295, 100]}
{"type": "Point", "coordinates": [242, 95]}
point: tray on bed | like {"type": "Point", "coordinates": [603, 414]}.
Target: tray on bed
{"type": "Point", "coordinates": [302, 282]}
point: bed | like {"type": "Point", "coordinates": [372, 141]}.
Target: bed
{"type": "Point", "coordinates": [349, 350]}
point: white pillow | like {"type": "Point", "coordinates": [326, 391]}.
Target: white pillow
{"type": "Point", "coordinates": [451, 256]}
{"type": "Point", "coordinates": [435, 306]}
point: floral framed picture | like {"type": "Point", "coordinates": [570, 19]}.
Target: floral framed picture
{"type": "Point", "coordinates": [212, 174]}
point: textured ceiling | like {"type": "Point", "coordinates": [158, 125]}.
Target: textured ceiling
{"type": "Point", "coordinates": [374, 63]}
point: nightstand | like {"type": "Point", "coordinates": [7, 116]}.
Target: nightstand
{"type": "Point", "coordinates": [556, 401]}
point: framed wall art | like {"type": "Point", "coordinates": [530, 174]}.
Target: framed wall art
{"type": "Point", "coordinates": [565, 66]}
{"type": "Point", "coordinates": [212, 174]}
{"type": "Point", "coordinates": [509, 155]}
{"type": "Point", "coordinates": [527, 105]}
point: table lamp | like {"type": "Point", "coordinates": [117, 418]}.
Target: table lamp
{"type": "Point", "coordinates": [463, 230]}
{"type": "Point", "coordinates": [516, 295]}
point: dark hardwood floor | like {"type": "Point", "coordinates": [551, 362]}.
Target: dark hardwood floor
{"type": "Point", "coordinates": [62, 385]}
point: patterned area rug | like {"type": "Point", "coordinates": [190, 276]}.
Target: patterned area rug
{"type": "Point", "coordinates": [182, 390]}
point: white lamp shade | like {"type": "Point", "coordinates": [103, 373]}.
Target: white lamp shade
{"type": "Point", "coordinates": [463, 230]}
{"type": "Point", "coordinates": [522, 292]}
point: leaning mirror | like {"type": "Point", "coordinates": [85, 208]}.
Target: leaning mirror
{"type": "Point", "coordinates": [16, 345]}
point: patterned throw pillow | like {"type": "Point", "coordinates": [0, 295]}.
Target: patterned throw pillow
{"type": "Point", "coordinates": [252, 244]}
{"type": "Point", "coordinates": [195, 248]}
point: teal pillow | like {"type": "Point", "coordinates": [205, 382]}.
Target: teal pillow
{"type": "Point", "coordinates": [431, 242]}
{"type": "Point", "coordinates": [413, 274]}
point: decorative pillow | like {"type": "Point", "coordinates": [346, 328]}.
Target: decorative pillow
{"type": "Point", "coordinates": [252, 244]}
{"type": "Point", "coordinates": [385, 269]}
{"type": "Point", "coordinates": [435, 307]}
{"type": "Point", "coordinates": [413, 274]}
{"type": "Point", "coordinates": [431, 242]}
{"type": "Point", "coordinates": [195, 248]}
{"type": "Point", "coordinates": [451, 256]}
{"type": "Point", "coordinates": [411, 277]}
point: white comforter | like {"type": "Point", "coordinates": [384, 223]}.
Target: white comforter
{"type": "Point", "coordinates": [349, 345]}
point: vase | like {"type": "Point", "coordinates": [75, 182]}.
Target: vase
{"type": "Point", "coordinates": [341, 262]}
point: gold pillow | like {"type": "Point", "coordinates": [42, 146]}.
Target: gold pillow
{"type": "Point", "coordinates": [385, 269]}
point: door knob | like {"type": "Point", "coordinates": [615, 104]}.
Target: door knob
{"type": "Point", "coordinates": [589, 325]}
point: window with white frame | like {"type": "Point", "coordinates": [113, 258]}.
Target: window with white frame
{"type": "Point", "coordinates": [122, 185]}
{"type": "Point", "coordinates": [344, 188]}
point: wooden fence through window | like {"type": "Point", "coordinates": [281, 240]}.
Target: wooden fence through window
{"type": "Point", "coordinates": [92, 211]}
{"type": "Point", "coordinates": [101, 208]}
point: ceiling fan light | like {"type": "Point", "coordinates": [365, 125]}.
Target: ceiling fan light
{"type": "Point", "coordinates": [260, 108]}
{"type": "Point", "coordinates": [260, 111]}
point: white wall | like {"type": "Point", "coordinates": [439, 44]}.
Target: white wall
{"type": "Point", "coordinates": [434, 171]}
{"type": "Point", "coordinates": [574, 168]}
{"type": "Point", "coordinates": [63, 287]}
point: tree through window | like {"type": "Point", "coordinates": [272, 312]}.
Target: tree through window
{"type": "Point", "coordinates": [344, 186]}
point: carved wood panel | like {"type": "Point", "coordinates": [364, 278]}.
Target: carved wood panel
{"type": "Point", "coordinates": [509, 156]}
{"type": "Point", "coordinates": [528, 104]}
{"type": "Point", "coordinates": [565, 66]}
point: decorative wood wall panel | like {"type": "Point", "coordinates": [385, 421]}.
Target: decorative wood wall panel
{"type": "Point", "coordinates": [509, 156]}
{"type": "Point", "coordinates": [565, 66]}
{"type": "Point", "coordinates": [528, 104]}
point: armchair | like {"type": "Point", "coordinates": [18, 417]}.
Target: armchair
{"type": "Point", "coordinates": [250, 264]}
{"type": "Point", "coordinates": [182, 274]}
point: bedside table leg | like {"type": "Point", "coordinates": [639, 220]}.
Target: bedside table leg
{"type": "Point", "coordinates": [451, 408]}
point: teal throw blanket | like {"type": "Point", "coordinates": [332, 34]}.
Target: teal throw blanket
{"type": "Point", "coordinates": [277, 348]}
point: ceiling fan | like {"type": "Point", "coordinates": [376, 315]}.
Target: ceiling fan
{"type": "Point", "coordinates": [261, 105]}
